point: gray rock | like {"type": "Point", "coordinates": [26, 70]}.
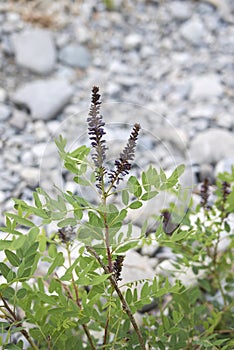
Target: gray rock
{"type": "Point", "coordinates": [18, 120]}
{"type": "Point", "coordinates": [5, 112]}
{"type": "Point", "coordinates": [225, 164]}
{"type": "Point", "coordinates": [211, 146]}
{"type": "Point", "coordinates": [3, 95]}
{"type": "Point", "coordinates": [44, 98]}
{"type": "Point", "coordinates": [180, 11]}
{"type": "Point", "coordinates": [35, 50]}
{"type": "Point", "coordinates": [193, 31]}
{"type": "Point", "coordinates": [76, 56]}
{"type": "Point", "coordinates": [205, 87]}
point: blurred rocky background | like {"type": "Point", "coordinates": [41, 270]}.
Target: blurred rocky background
{"type": "Point", "coordinates": [166, 64]}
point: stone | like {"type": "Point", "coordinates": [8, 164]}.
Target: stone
{"type": "Point", "coordinates": [211, 146]}
{"type": "Point", "coordinates": [76, 56]}
{"type": "Point", "coordinates": [5, 112]}
{"type": "Point", "coordinates": [31, 176]}
{"type": "Point", "coordinates": [35, 50]}
{"type": "Point", "coordinates": [2, 197]}
{"type": "Point", "coordinates": [3, 95]}
{"type": "Point", "coordinates": [223, 165]}
{"type": "Point", "coordinates": [205, 87]}
{"type": "Point", "coordinates": [180, 11]}
{"type": "Point", "coordinates": [18, 120]}
{"type": "Point", "coordinates": [44, 98]}
{"type": "Point", "coordinates": [132, 42]}
{"type": "Point", "coordinates": [135, 268]}
{"type": "Point", "coordinates": [193, 31]}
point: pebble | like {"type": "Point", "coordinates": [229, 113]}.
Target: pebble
{"type": "Point", "coordinates": [193, 31]}
{"type": "Point", "coordinates": [223, 165]}
{"type": "Point", "coordinates": [5, 112]}
{"type": "Point", "coordinates": [35, 50]}
{"type": "Point", "coordinates": [3, 95]}
{"type": "Point", "coordinates": [180, 11]}
{"type": "Point", "coordinates": [18, 120]}
{"type": "Point", "coordinates": [75, 56]}
{"type": "Point", "coordinates": [51, 97]}
{"type": "Point", "coordinates": [205, 87]}
{"type": "Point", "coordinates": [132, 42]}
{"type": "Point", "coordinates": [31, 176]}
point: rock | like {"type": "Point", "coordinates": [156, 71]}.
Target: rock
{"type": "Point", "coordinates": [31, 176]}
{"type": "Point", "coordinates": [193, 31]}
{"type": "Point", "coordinates": [186, 275]}
{"type": "Point", "coordinates": [211, 146]}
{"type": "Point", "coordinates": [205, 87]}
{"type": "Point", "coordinates": [18, 120]}
{"type": "Point", "coordinates": [35, 50]}
{"type": "Point", "coordinates": [2, 197]}
{"type": "Point", "coordinates": [3, 95]}
{"type": "Point", "coordinates": [223, 165]}
{"type": "Point", "coordinates": [44, 98]}
{"type": "Point", "coordinates": [180, 11]}
{"type": "Point", "coordinates": [135, 268]}
{"type": "Point", "coordinates": [5, 112]}
{"type": "Point", "coordinates": [76, 56]}
{"type": "Point", "coordinates": [132, 42]}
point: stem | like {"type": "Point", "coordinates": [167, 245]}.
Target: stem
{"type": "Point", "coordinates": [105, 338]}
{"type": "Point", "coordinates": [121, 297]}
{"type": "Point", "coordinates": [85, 328]}
{"type": "Point", "coordinates": [19, 323]}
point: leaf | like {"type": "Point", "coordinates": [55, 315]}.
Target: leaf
{"type": "Point", "coordinates": [67, 222]}
{"type": "Point", "coordinates": [125, 197]}
{"type": "Point", "coordinates": [12, 258]}
{"type": "Point", "coordinates": [20, 220]}
{"type": "Point", "coordinates": [37, 200]}
{"type": "Point", "coordinates": [126, 246]}
{"type": "Point", "coordinates": [4, 244]}
{"type": "Point", "coordinates": [4, 269]}
{"type": "Point", "coordinates": [134, 186]}
{"type": "Point", "coordinates": [135, 205]}
{"type": "Point", "coordinates": [149, 195]}
{"type": "Point", "coordinates": [99, 279]}
{"type": "Point", "coordinates": [58, 261]}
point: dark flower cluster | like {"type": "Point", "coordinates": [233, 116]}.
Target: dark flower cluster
{"type": "Point", "coordinates": [117, 267]}
{"type": "Point", "coordinates": [225, 190]}
{"type": "Point", "coordinates": [66, 234]}
{"type": "Point", "coordinates": [204, 193]}
{"type": "Point", "coordinates": [96, 133]}
{"type": "Point", "coordinates": [123, 165]}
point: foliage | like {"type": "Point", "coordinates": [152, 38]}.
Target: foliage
{"type": "Point", "coordinates": [80, 302]}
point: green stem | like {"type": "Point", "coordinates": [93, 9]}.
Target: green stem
{"type": "Point", "coordinates": [121, 297]}
{"type": "Point", "coordinates": [85, 328]}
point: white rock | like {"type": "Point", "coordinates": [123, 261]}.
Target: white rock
{"type": "Point", "coordinates": [30, 175]}
{"type": "Point", "coordinates": [132, 42]}
{"type": "Point", "coordinates": [225, 164]}
{"type": "Point", "coordinates": [5, 112]}
{"type": "Point", "coordinates": [181, 11]}
{"type": "Point", "coordinates": [205, 87]}
{"type": "Point", "coordinates": [44, 98]}
{"type": "Point", "coordinates": [193, 31]}
{"type": "Point", "coordinates": [18, 119]}
{"type": "Point", "coordinates": [3, 95]}
{"type": "Point", "coordinates": [135, 268]}
{"type": "Point", "coordinates": [35, 50]}
{"type": "Point", "coordinates": [211, 146]}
